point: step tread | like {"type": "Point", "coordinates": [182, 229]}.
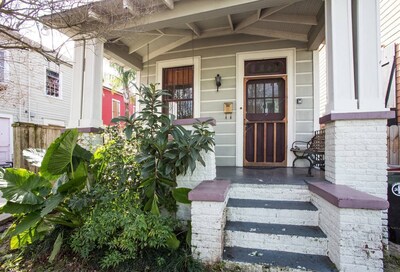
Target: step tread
{"type": "Point", "coordinates": [278, 229]}
{"type": "Point", "coordinates": [271, 204]}
{"type": "Point", "coordinates": [279, 259]}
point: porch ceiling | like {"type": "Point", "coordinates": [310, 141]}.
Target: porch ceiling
{"type": "Point", "coordinates": [177, 22]}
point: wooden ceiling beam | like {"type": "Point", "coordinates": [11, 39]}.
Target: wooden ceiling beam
{"type": "Point", "coordinates": [293, 36]}
{"type": "Point", "coordinates": [169, 3]}
{"type": "Point", "coordinates": [167, 48]}
{"type": "Point", "coordinates": [142, 43]}
{"type": "Point", "coordinates": [292, 19]}
{"type": "Point", "coordinates": [230, 22]}
{"type": "Point", "coordinates": [195, 28]}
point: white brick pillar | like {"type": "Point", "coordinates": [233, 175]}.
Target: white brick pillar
{"type": "Point", "coordinates": [209, 201]}
{"type": "Point", "coordinates": [86, 101]}
{"type": "Point", "coordinates": [207, 172]}
{"type": "Point", "coordinates": [355, 154]}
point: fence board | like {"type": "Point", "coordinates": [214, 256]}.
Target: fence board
{"type": "Point", "coordinates": [28, 135]}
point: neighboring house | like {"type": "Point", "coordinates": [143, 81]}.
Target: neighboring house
{"type": "Point", "coordinates": [390, 59]}
{"type": "Point", "coordinates": [33, 90]}
{"type": "Point", "coordinates": [113, 105]}
{"type": "Point", "coordinates": [266, 53]}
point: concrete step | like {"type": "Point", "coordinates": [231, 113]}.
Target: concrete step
{"type": "Point", "coordinates": [250, 259]}
{"type": "Point", "coordinates": [288, 238]}
{"type": "Point", "coordinates": [272, 212]}
{"type": "Point", "coordinates": [270, 192]}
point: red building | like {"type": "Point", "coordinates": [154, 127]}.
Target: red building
{"type": "Point", "coordinates": [113, 105]}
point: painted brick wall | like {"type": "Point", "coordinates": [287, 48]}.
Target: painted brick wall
{"type": "Point", "coordinates": [354, 236]}
{"type": "Point", "coordinates": [356, 156]}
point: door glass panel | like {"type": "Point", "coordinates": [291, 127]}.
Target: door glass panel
{"type": "Point", "coordinates": [260, 90]}
{"type": "Point", "coordinates": [250, 91]}
{"type": "Point", "coordinates": [270, 106]}
{"type": "Point", "coordinates": [250, 105]}
{"type": "Point", "coordinates": [260, 105]}
{"type": "Point", "coordinates": [268, 90]}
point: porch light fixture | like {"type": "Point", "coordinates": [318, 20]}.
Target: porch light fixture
{"type": "Point", "coordinates": [218, 81]}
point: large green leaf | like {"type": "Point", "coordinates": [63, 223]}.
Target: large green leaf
{"type": "Point", "coordinates": [181, 195]}
{"type": "Point", "coordinates": [25, 238]}
{"type": "Point", "coordinates": [15, 208]}
{"type": "Point", "coordinates": [78, 182]}
{"type": "Point", "coordinates": [29, 221]}
{"type": "Point", "coordinates": [173, 242]}
{"type": "Point", "coordinates": [59, 154]}
{"type": "Point", "coordinates": [56, 247]}
{"type": "Point", "coordinates": [51, 203]}
{"type": "Point", "coordinates": [82, 153]}
{"type": "Point", "coordinates": [23, 187]}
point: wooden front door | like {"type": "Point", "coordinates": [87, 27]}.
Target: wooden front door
{"type": "Point", "coordinates": [265, 121]}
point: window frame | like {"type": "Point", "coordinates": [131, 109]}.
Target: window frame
{"type": "Point", "coordinates": [196, 62]}
{"type": "Point", "coordinates": [112, 108]}
{"type": "Point", "coordinates": [167, 100]}
{"type": "Point", "coordinates": [60, 91]}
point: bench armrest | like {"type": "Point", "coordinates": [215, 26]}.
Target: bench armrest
{"type": "Point", "coordinates": [302, 143]}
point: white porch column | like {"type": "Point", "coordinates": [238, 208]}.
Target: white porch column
{"type": "Point", "coordinates": [367, 51]}
{"type": "Point", "coordinates": [340, 68]}
{"type": "Point", "coordinates": [86, 102]}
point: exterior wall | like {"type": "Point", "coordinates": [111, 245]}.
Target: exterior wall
{"type": "Point", "coordinates": [390, 18]}
{"type": "Point", "coordinates": [25, 98]}
{"type": "Point", "coordinates": [351, 250]}
{"type": "Point", "coordinates": [218, 56]}
{"type": "Point", "coordinates": [108, 97]}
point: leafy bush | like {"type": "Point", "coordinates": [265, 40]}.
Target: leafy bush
{"type": "Point", "coordinates": [165, 150]}
{"type": "Point", "coordinates": [39, 202]}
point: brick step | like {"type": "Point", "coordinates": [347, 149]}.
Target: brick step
{"type": "Point", "coordinates": [250, 259]}
{"type": "Point", "coordinates": [288, 238]}
{"type": "Point", "coordinates": [270, 192]}
{"type": "Point", "coordinates": [272, 212]}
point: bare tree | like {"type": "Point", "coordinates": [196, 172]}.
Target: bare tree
{"type": "Point", "coordinates": [78, 19]}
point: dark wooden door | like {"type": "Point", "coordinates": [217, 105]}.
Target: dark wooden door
{"type": "Point", "coordinates": [265, 121]}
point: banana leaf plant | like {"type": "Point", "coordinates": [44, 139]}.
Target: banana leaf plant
{"type": "Point", "coordinates": [39, 202]}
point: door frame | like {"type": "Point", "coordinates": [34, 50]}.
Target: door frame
{"type": "Point", "coordinates": [10, 117]}
{"type": "Point", "coordinates": [290, 55]}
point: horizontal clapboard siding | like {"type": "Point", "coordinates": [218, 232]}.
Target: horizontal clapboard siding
{"type": "Point", "coordinates": [220, 58]}
{"type": "Point", "coordinates": [390, 21]}
{"type": "Point", "coordinates": [26, 74]}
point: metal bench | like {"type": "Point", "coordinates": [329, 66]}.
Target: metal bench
{"type": "Point", "coordinates": [313, 151]}
{"type": "Point", "coordinates": [6, 164]}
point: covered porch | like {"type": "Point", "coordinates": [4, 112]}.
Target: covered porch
{"type": "Point", "coordinates": [272, 44]}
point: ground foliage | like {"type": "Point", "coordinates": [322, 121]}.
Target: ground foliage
{"type": "Point", "coordinates": [114, 207]}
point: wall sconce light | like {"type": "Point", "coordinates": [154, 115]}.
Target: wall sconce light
{"type": "Point", "coordinates": [218, 81]}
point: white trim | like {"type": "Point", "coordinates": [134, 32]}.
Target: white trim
{"type": "Point", "coordinates": [10, 117]}
{"type": "Point", "coordinates": [112, 107]}
{"type": "Point", "coordinates": [316, 84]}
{"type": "Point", "coordinates": [290, 55]}
{"type": "Point", "coordinates": [196, 62]}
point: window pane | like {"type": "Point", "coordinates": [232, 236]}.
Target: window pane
{"type": "Point", "coordinates": [260, 106]}
{"type": "Point", "coordinates": [260, 90]}
{"type": "Point", "coordinates": [250, 106]}
{"type": "Point", "coordinates": [178, 81]}
{"type": "Point", "coordinates": [268, 90]}
{"type": "Point", "coordinates": [269, 106]}
{"type": "Point", "coordinates": [250, 91]}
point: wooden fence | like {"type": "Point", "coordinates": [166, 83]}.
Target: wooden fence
{"type": "Point", "coordinates": [28, 135]}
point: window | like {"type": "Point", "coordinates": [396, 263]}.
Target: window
{"type": "Point", "coordinates": [178, 82]}
{"type": "Point", "coordinates": [52, 83]}
{"type": "Point", "coordinates": [2, 66]}
{"type": "Point", "coordinates": [116, 108]}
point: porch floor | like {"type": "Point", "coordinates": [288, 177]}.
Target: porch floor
{"type": "Point", "coordinates": [277, 175]}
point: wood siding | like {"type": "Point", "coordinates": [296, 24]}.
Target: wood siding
{"type": "Point", "coordinates": [218, 56]}
{"type": "Point", "coordinates": [26, 79]}
{"type": "Point", "coordinates": [390, 21]}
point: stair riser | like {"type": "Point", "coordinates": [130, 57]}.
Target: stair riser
{"type": "Point", "coordinates": [288, 243]}
{"type": "Point", "coordinates": [288, 193]}
{"type": "Point", "coordinates": [259, 268]}
{"type": "Point", "coordinates": [273, 216]}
